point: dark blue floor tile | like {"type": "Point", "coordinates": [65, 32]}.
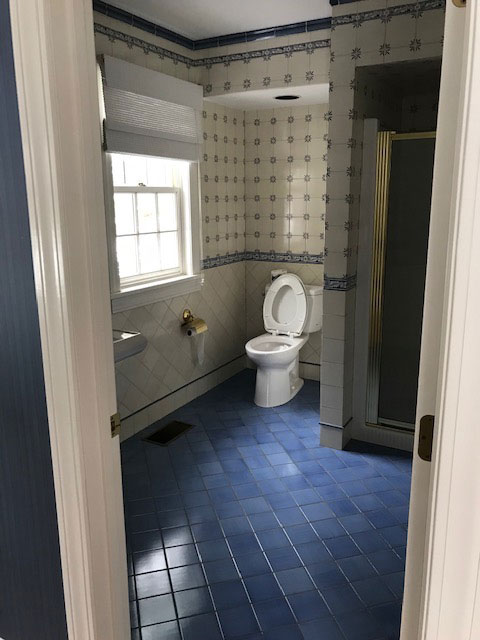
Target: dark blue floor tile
{"type": "Point", "coordinates": [294, 580]}
{"type": "Point", "coordinates": [165, 631]}
{"type": "Point", "coordinates": [220, 570]}
{"type": "Point", "coordinates": [263, 521]}
{"type": "Point", "coordinates": [329, 528]}
{"type": "Point", "coordinates": [312, 552]}
{"type": "Point", "coordinates": [187, 577]}
{"type": "Point", "coordinates": [206, 531]}
{"type": "Point", "coordinates": [254, 505]}
{"type": "Point", "coordinates": [177, 536]}
{"type": "Point", "coordinates": [355, 523]}
{"type": "Point", "coordinates": [262, 587]}
{"type": "Point", "coordinates": [152, 584]}
{"type": "Point", "coordinates": [155, 610]}
{"type": "Point", "coordinates": [238, 622]}
{"type": "Point", "coordinates": [325, 628]}
{"type": "Point", "coordinates": [342, 599]}
{"type": "Point", "coordinates": [283, 558]}
{"type": "Point", "coordinates": [204, 626]}
{"type": "Point", "coordinates": [308, 606]}
{"type": "Point", "coordinates": [273, 613]}
{"type": "Point", "coordinates": [301, 533]}
{"type": "Point", "coordinates": [243, 543]}
{"type": "Point", "coordinates": [359, 625]}
{"type": "Point", "coordinates": [252, 564]}
{"type": "Point", "coordinates": [290, 516]}
{"type": "Point", "coordinates": [213, 550]}
{"type": "Point", "coordinates": [342, 547]}
{"type": "Point", "coordinates": [369, 541]}
{"type": "Point", "coordinates": [193, 602]}
{"type": "Point", "coordinates": [256, 476]}
{"type": "Point", "coordinates": [318, 511]}
{"type": "Point", "coordinates": [183, 555]}
{"type": "Point", "coordinates": [386, 561]}
{"type": "Point", "coordinates": [233, 526]}
{"type": "Point", "coordinates": [356, 568]}
{"type": "Point", "coordinates": [146, 561]}
{"type": "Point", "coordinates": [228, 595]}
{"type": "Point", "coordinates": [273, 539]}
{"type": "Point", "coordinates": [374, 591]}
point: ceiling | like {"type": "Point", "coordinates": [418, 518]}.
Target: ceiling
{"type": "Point", "coordinates": [265, 98]}
{"type": "Point", "coordinates": [197, 19]}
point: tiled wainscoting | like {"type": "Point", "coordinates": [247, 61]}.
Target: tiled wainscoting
{"type": "Point", "coordinates": [245, 528]}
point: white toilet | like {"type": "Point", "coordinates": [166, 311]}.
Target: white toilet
{"type": "Point", "coordinates": [291, 311]}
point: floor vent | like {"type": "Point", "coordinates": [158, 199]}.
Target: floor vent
{"type": "Point", "coordinates": [168, 433]}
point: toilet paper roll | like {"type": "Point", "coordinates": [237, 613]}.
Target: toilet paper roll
{"type": "Point", "coordinates": [196, 330]}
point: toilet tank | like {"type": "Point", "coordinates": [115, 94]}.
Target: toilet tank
{"type": "Point", "coordinates": [313, 322]}
{"type": "Point", "coordinates": [314, 293]}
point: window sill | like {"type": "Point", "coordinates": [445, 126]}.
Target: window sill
{"type": "Point", "coordinates": [142, 295]}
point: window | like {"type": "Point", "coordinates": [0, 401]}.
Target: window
{"type": "Point", "coordinates": [151, 223]}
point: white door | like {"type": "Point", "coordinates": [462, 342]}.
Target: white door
{"type": "Point", "coordinates": [57, 94]}
{"type": "Point", "coordinates": [443, 544]}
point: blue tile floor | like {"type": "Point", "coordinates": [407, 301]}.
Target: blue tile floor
{"type": "Point", "coordinates": [245, 528]}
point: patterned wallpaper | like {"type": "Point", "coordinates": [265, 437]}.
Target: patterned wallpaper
{"type": "Point", "coordinates": [285, 180]}
{"type": "Point", "coordinates": [367, 33]}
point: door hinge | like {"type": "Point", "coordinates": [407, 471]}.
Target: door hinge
{"type": "Point", "coordinates": [460, 3]}
{"type": "Point", "coordinates": [115, 424]}
{"type": "Point", "coordinates": [425, 438]}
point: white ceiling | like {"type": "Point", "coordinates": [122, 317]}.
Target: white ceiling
{"type": "Point", "coordinates": [265, 98]}
{"type": "Point", "coordinates": [198, 19]}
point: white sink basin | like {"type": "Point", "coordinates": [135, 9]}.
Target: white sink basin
{"type": "Point", "coordinates": [127, 343]}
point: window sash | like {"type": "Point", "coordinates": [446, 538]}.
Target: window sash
{"type": "Point", "coordinates": [159, 274]}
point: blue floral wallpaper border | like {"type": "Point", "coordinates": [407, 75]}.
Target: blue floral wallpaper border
{"type": "Point", "coordinates": [262, 256]}
{"type": "Point", "coordinates": [148, 47]}
{"type": "Point", "coordinates": [385, 15]}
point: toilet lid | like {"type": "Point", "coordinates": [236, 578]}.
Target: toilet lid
{"type": "Point", "coordinates": [285, 306]}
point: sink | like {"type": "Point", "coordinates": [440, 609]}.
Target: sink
{"type": "Point", "coordinates": [127, 343]}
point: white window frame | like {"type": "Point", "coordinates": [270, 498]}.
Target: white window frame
{"type": "Point", "coordinates": [143, 290]}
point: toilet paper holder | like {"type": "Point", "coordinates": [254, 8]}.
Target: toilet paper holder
{"type": "Point", "coordinates": [191, 325]}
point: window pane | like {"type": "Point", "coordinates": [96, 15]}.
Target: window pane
{"type": "Point", "coordinates": [146, 212]}
{"type": "Point", "coordinates": [124, 220]}
{"type": "Point", "coordinates": [127, 256]}
{"type": "Point", "coordinates": [159, 172]}
{"type": "Point", "coordinates": [167, 211]}
{"type": "Point", "coordinates": [135, 170]}
{"type": "Point", "coordinates": [149, 253]}
{"type": "Point", "coordinates": [118, 170]}
{"type": "Point", "coordinates": [169, 250]}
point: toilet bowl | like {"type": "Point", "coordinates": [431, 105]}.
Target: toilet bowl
{"type": "Point", "coordinates": [288, 310]}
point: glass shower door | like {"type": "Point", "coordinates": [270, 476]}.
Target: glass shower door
{"type": "Point", "coordinates": [402, 219]}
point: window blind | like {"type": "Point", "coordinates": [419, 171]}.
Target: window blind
{"type": "Point", "coordinates": [150, 113]}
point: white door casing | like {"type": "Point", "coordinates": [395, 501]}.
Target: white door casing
{"type": "Point", "coordinates": [442, 572]}
{"type": "Point", "coordinates": [55, 69]}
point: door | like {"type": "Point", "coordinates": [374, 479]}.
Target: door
{"type": "Point", "coordinates": [442, 553]}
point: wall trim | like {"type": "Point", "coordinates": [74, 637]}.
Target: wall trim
{"type": "Point", "coordinates": [246, 56]}
{"type": "Point", "coordinates": [262, 256]}
{"type": "Point", "coordinates": [385, 15]}
{"type": "Point", "coordinates": [305, 26]}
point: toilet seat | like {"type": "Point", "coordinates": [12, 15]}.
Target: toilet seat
{"type": "Point", "coordinates": [285, 306]}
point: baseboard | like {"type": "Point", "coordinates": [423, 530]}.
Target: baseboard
{"type": "Point", "coordinates": [162, 407]}
{"type": "Point", "coordinates": [384, 436]}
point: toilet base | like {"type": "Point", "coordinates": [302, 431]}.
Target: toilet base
{"type": "Point", "coordinates": [275, 387]}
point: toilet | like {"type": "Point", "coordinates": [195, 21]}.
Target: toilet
{"type": "Point", "coordinates": [291, 311]}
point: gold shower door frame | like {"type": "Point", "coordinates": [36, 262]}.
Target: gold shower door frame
{"type": "Point", "coordinates": [385, 140]}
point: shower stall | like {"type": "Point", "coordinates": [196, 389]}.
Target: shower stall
{"type": "Point", "coordinates": [403, 186]}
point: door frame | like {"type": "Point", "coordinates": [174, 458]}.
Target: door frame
{"type": "Point", "coordinates": [56, 84]}
{"type": "Point", "coordinates": [55, 68]}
